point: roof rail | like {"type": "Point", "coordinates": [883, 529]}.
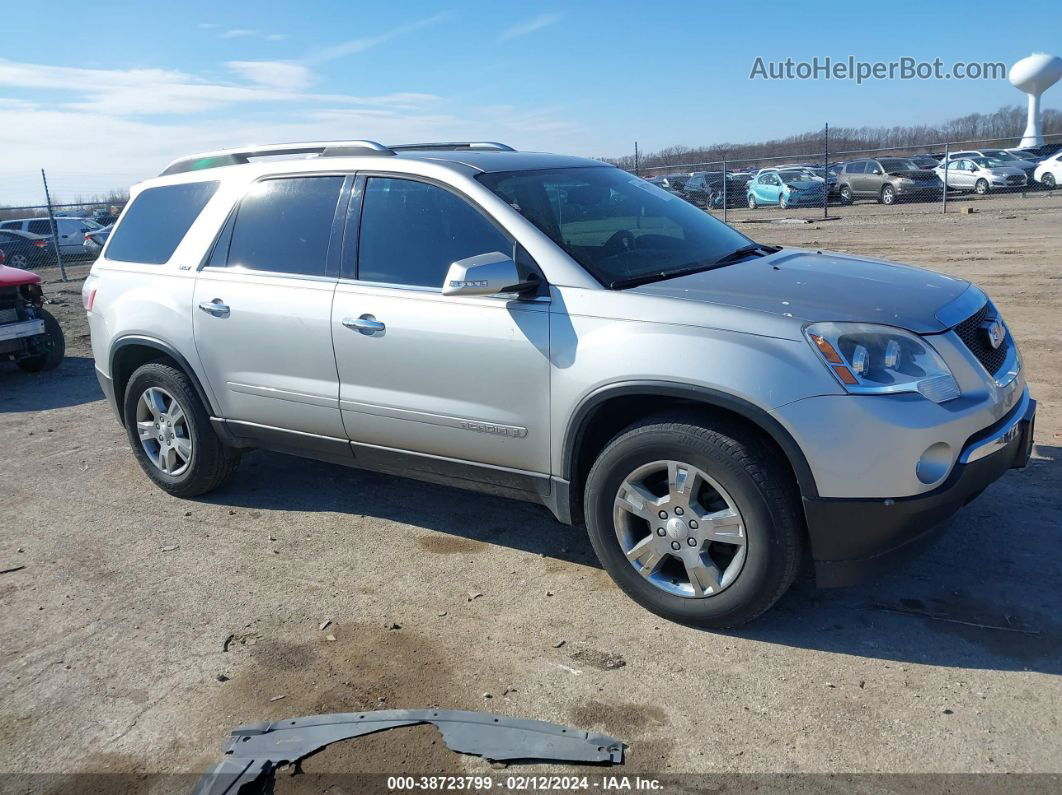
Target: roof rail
{"type": "Point", "coordinates": [449, 146]}
{"type": "Point", "coordinates": [243, 154]}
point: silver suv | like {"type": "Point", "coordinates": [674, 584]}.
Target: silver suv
{"type": "Point", "coordinates": [712, 409]}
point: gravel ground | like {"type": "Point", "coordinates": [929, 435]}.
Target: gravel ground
{"type": "Point", "coordinates": [115, 632]}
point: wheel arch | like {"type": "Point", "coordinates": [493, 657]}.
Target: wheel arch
{"type": "Point", "coordinates": [131, 351]}
{"type": "Point", "coordinates": [606, 411]}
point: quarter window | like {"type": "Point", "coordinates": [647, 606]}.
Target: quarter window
{"type": "Point", "coordinates": [411, 232]}
{"type": "Point", "coordinates": [285, 225]}
{"type": "Point", "coordinates": [157, 221]}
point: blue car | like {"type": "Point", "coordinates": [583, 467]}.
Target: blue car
{"type": "Point", "coordinates": [786, 187]}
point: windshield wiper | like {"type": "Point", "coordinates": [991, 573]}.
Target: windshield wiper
{"type": "Point", "coordinates": [726, 259]}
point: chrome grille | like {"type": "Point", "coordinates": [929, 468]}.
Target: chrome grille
{"type": "Point", "coordinates": [974, 338]}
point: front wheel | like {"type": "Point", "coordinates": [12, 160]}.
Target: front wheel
{"type": "Point", "coordinates": [170, 433]}
{"type": "Point", "coordinates": [888, 194]}
{"type": "Point", "coordinates": [1048, 181]}
{"type": "Point", "coordinates": [51, 346]}
{"type": "Point", "coordinates": [981, 186]}
{"type": "Point", "coordinates": [752, 202]}
{"type": "Point", "coordinates": [783, 202]}
{"type": "Point", "coordinates": [693, 520]}
{"type": "Point", "coordinates": [846, 194]}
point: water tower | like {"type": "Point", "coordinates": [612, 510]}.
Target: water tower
{"type": "Point", "coordinates": [1034, 75]}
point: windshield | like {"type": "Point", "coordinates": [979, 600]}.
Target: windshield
{"type": "Point", "coordinates": [790, 176]}
{"type": "Point", "coordinates": [999, 154]}
{"type": "Point", "coordinates": [897, 164]}
{"type": "Point", "coordinates": [617, 226]}
{"type": "Point", "coordinates": [988, 162]}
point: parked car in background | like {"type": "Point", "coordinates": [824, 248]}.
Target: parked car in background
{"type": "Point", "coordinates": [672, 183]}
{"type": "Point", "coordinates": [791, 187]}
{"type": "Point", "coordinates": [731, 189]}
{"type": "Point", "coordinates": [1049, 172]}
{"type": "Point", "coordinates": [1003, 156]}
{"type": "Point", "coordinates": [697, 190]}
{"type": "Point", "coordinates": [981, 174]}
{"type": "Point", "coordinates": [1037, 152]}
{"type": "Point", "coordinates": [887, 179]}
{"type": "Point", "coordinates": [95, 240]}
{"type": "Point", "coordinates": [24, 250]}
{"type": "Point", "coordinates": [925, 161]}
{"type": "Point", "coordinates": [71, 231]}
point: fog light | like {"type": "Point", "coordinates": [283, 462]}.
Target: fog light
{"type": "Point", "coordinates": [934, 463]}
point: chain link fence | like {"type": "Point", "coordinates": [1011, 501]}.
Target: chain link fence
{"type": "Point", "coordinates": [828, 183]}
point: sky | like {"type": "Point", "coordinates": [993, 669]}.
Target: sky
{"type": "Point", "coordinates": [106, 94]}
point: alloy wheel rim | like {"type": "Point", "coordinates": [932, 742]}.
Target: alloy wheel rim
{"type": "Point", "coordinates": [18, 261]}
{"type": "Point", "coordinates": [680, 529]}
{"type": "Point", "coordinates": [162, 425]}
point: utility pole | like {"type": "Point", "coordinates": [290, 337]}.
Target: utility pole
{"type": "Point", "coordinates": [637, 170]}
{"type": "Point", "coordinates": [55, 228]}
{"type": "Point", "coordinates": [724, 190]}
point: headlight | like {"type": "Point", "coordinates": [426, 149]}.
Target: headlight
{"type": "Point", "coordinates": [877, 360]}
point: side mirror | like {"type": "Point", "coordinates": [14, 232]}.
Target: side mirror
{"type": "Point", "coordinates": [483, 274]}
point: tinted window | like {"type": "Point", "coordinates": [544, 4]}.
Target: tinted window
{"type": "Point", "coordinates": [856, 168]}
{"type": "Point", "coordinates": [157, 221]}
{"type": "Point", "coordinates": [39, 227]}
{"type": "Point", "coordinates": [10, 225]}
{"type": "Point", "coordinates": [412, 231]}
{"type": "Point", "coordinates": [284, 225]}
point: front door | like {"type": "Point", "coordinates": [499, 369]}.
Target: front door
{"type": "Point", "coordinates": [465, 379]}
{"type": "Point", "coordinates": [263, 306]}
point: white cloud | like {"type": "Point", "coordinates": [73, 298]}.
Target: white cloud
{"type": "Point", "coordinates": [531, 25]}
{"type": "Point", "coordinates": [274, 74]}
{"type": "Point", "coordinates": [355, 46]}
{"type": "Point", "coordinates": [248, 33]}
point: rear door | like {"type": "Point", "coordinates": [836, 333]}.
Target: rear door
{"type": "Point", "coordinates": [464, 378]}
{"type": "Point", "coordinates": [263, 304]}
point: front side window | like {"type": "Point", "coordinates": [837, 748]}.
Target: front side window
{"type": "Point", "coordinates": [617, 226]}
{"type": "Point", "coordinates": [157, 221]}
{"type": "Point", "coordinates": [285, 226]}
{"type": "Point", "coordinates": [412, 231]}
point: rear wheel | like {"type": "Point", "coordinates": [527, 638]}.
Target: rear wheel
{"type": "Point", "coordinates": [783, 202]}
{"type": "Point", "coordinates": [1048, 181]}
{"type": "Point", "coordinates": [170, 433]}
{"type": "Point", "coordinates": [695, 522]}
{"type": "Point", "coordinates": [846, 194]}
{"type": "Point", "coordinates": [981, 186]}
{"type": "Point", "coordinates": [51, 347]}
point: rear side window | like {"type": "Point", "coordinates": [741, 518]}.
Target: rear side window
{"type": "Point", "coordinates": [856, 168]}
{"type": "Point", "coordinates": [412, 231]}
{"type": "Point", "coordinates": [284, 226]}
{"type": "Point", "coordinates": [157, 221]}
{"type": "Point", "coordinates": [39, 227]}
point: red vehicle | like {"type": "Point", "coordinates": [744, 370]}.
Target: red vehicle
{"type": "Point", "coordinates": [29, 335]}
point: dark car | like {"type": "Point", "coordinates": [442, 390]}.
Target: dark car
{"type": "Point", "coordinates": [672, 183]}
{"type": "Point", "coordinates": [24, 249]}
{"type": "Point", "coordinates": [887, 179]}
{"type": "Point", "coordinates": [735, 190]}
{"type": "Point", "coordinates": [925, 161]}
{"type": "Point", "coordinates": [697, 190]}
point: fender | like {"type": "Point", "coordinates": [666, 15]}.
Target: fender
{"type": "Point", "coordinates": [573, 435]}
{"type": "Point", "coordinates": [141, 341]}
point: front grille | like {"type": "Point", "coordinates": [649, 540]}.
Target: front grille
{"type": "Point", "coordinates": [976, 340]}
{"type": "Point", "coordinates": [1014, 180]}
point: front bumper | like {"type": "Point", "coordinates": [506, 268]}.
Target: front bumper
{"type": "Point", "coordinates": [853, 538]}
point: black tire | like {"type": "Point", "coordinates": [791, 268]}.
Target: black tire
{"type": "Point", "coordinates": [1048, 181]}
{"type": "Point", "coordinates": [888, 195]}
{"type": "Point", "coordinates": [18, 260]}
{"type": "Point", "coordinates": [752, 202]}
{"type": "Point", "coordinates": [762, 491]}
{"type": "Point", "coordinates": [783, 202]}
{"type": "Point", "coordinates": [846, 194]}
{"type": "Point", "coordinates": [981, 187]}
{"type": "Point", "coordinates": [212, 463]}
{"type": "Point", "coordinates": [55, 346]}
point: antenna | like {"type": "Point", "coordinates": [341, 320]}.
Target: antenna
{"type": "Point", "coordinates": [1033, 76]}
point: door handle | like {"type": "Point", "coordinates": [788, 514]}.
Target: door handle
{"type": "Point", "coordinates": [215, 308]}
{"type": "Point", "coordinates": [366, 324]}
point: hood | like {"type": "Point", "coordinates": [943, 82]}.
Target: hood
{"type": "Point", "coordinates": [15, 277]}
{"type": "Point", "coordinates": [913, 173]}
{"type": "Point", "coordinates": [814, 286]}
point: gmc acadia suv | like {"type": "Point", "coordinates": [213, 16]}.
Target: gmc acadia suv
{"type": "Point", "coordinates": [558, 330]}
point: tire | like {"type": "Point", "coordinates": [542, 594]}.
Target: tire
{"type": "Point", "coordinates": [752, 202]}
{"type": "Point", "coordinates": [981, 187]}
{"type": "Point", "coordinates": [209, 463]}
{"type": "Point", "coordinates": [846, 194]}
{"type": "Point", "coordinates": [783, 202]}
{"type": "Point", "coordinates": [55, 347]}
{"type": "Point", "coordinates": [20, 261]}
{"type": "Point", "coordinates": [888, 195]}
{"type": "Point", "coordinates": [729, 458]}
{"type": "Point", "coordinates": [1048, 181]}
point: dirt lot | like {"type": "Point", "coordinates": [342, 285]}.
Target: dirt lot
{"type": "Point", "coordinates": [115, 632]}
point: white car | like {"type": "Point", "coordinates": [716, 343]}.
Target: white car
{"type": "Point", "coordinates": [1049, 172]}
{"type": "Point", "coordinates": [980, 174]}
{"type": "Point", "coordinates": [1006, 158]}
{"type": "Point", "coordinates": [71, 231]}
